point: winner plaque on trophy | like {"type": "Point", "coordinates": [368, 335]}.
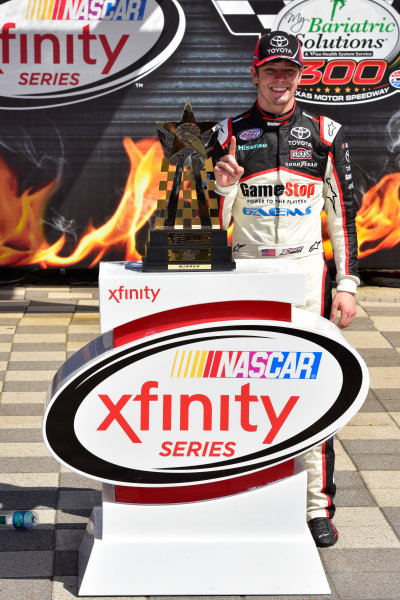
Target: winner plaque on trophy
{"type": "Point", "coordinates": [186, 234]}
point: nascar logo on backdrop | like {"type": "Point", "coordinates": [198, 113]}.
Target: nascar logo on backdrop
{"type": "Point", "coordinates": [93, 10]}
{"type": "Point", "coordinates": [101, 46]}
{"type": "Point", "coordinates": [351, 48]}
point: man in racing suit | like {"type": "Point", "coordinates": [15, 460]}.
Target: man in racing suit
{"type": "Point", "coordinates": [277, 167]}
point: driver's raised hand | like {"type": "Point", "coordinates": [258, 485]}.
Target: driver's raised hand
{"type": "Point", "coordinates": [227, 170]}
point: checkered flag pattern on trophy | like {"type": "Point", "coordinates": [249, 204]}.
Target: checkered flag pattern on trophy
{"type": "Point", "coordinates": [186, 234]}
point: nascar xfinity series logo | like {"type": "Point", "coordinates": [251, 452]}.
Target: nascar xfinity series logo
{"type": "Point", "coordinates": [56, 52]}
{"type": "Point", "coordinates": [192, 404]}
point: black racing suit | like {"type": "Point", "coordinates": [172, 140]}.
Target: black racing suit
{"type": "Point", "coordinates": [295, 166]}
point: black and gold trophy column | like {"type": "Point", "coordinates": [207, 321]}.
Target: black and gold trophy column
{"type": "Point", "coordinates": [186, 235]}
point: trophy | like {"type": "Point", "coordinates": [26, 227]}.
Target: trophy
{"type": "Point", "coordinates": [186, 235]}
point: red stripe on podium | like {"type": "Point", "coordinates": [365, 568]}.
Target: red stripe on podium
{"type": "Point", "coordinates": [210, 358]}
{"type": "Point", "coordinates": [205, 491]}
{"type": "Point", "coordinates": [202, 314]}
{"type": "Point", "coordinates": [213, 312]}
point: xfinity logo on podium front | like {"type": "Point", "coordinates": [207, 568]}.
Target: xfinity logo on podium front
{"type": "Point", "coordinates": [221, 422]}
{"type": "Point", "coordinates": [142, 412]}
{"type": "Point", "coordinates": [122, 293]}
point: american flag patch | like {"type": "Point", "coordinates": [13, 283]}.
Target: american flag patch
{"type": "Point", "coordinates": [345, 145]}
{"type": "Point", "coordinates": [268, 252]}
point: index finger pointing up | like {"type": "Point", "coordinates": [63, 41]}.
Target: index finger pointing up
{"type": "Point", "coordinates": [232, 147]}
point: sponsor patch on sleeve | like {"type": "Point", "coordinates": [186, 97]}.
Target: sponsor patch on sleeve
{"type": "Point", "coordinates": [329, 129]}
{"type": "Point", "coordinates": [301, 153]}
{"type": "Point", "coordinates": [250, 134]}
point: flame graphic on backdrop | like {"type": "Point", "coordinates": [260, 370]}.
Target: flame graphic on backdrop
{"type": "Point", "coordinates": [22, 239]}
{"type": "Point", "coordinates": [21, 229]}
{"type": "Point", "coordinates": [378, 219]}
{"type": "Point", "coordinates": [134, 210]}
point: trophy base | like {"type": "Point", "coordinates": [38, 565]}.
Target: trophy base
{"type": "Point", "coordinates": [185, 266]}
{"type": "Point", "coordinates": [188, 250]}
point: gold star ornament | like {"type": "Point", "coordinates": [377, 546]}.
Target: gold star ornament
{"type": "Point", "coordinates": [187, 132]}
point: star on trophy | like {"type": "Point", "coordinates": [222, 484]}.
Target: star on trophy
{"type": "Point", "coordinates": [187, 234]}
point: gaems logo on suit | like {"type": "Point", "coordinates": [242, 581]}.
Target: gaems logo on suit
{"type": "Point", "coordinates": [280, 211]}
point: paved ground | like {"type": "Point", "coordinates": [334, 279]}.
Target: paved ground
{"type": "Point", "coordinates": [41, 326]}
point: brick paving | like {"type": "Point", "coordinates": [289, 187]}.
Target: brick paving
{"type": "Point", "coordinates": [40, 326]}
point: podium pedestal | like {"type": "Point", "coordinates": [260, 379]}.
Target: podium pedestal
{"type": "Point", "coordinates": [253, 542]}
{"type": "Point", "coordinates": [128, 293]}
{"type": "Point", "coordinates": [256, 542]}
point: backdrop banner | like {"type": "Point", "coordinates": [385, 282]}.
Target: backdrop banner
{"type": "Point", "coordinates": [83, 83]}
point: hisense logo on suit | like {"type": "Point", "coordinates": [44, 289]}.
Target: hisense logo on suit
{"type": "Point", "coordinates": [56, 52]}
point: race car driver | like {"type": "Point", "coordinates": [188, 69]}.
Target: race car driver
{"type": "Point", "coordinates": [277, 167]}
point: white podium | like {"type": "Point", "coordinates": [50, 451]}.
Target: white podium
{"type": "Point", "coordinates": [128, 293]}
{"type": "Point", "coordinates": [253, 542]}
{"type": "Point", "coordinates": [192, 408]}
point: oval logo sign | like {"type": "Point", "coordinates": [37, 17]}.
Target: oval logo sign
{"type": "Point", "coordinates": [58, 52]}
{"type": "Point", "coordinates": [395, 79]}
{"type": "Point", "coordinates": [349, 48]}
{"type": "Point", "coordinates": [250, 134]}
{"type": "Point", "coordinates": [199, 404]}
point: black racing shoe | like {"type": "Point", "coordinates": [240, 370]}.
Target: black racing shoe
{"type": "Point", "coordinates": [323, 531]}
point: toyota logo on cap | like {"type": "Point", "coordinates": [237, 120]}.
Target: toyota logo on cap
{"type": "Point", "coordinates": [300, 133]}
{"type": "Point", "coordinates": [278, 45]}
{"type": "Point", "coordinates": [279, 41]}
